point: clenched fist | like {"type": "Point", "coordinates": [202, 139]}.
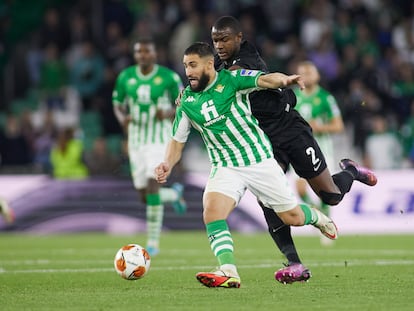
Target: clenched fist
{"type": "Point", "coordinates": [162, 171]}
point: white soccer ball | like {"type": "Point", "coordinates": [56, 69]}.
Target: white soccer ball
{"type": "Point", "coordinates": [132, 262]}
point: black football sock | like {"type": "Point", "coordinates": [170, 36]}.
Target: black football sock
{"type": "Point", "coordinates": [344, 180]}
{"type": "Point", "coordinates": [281, 235]}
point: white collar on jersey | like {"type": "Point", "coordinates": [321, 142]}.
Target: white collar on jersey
{"type": "Point", "coordinates": [147, 76]}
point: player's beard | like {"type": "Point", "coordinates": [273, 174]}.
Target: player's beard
{"type": "Point", "coordinates": [202, 83]}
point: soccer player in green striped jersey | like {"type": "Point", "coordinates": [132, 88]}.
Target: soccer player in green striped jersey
{"type": "Point", "coordinates": [320, 109]}
{"type": "Point", "coordinates": [143, 101]}
{"type": "Point", "coordinates": [217, 105]}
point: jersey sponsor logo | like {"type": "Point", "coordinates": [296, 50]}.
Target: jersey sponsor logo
{"type": "Point", "coordinates": [219, 88]}
{"type": "Point", "coordinates": [248, 72]}
{"type": "Point", "coordinates": [209, 111]}
{"type": "Point", "coordinates": [144, 94]}
{"type": "Point", "coordinates": [214, 120]}
{"type": "Point", "coordinates": [190, 99]}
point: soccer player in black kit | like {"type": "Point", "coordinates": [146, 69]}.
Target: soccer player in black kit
{"type": "Point", "coordinates": [292, 141]}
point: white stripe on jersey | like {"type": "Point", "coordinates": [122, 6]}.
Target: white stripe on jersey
{"type": "Point", "coordinates": [211, 143]}
{"type": "Point", "coordinates": [243, 143]}
{"type": "Point", "coordinates": [241, 101]}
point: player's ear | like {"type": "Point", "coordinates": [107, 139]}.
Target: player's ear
{"type": "Point", "coordinates": [210, 63]}
{"type": "Point", "coordinates": [239, 37]}
{"type": "Point", "coordinates": [318, 76]}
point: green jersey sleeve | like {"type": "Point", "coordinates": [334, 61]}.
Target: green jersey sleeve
{"type": "Point", "coordinates": [246, 79]}
{"type": "Point", "coordinates": [181, 126]}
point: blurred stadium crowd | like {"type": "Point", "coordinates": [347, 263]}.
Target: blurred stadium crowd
{"type": "Point", "coordinates": [59, 61]}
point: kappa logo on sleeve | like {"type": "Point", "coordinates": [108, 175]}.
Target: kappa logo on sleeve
{"type": "Point", "coordinates": [248, 72]}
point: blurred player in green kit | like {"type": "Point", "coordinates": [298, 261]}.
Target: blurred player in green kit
{"type": "Point", "coordinates": [320, 109]}
{"type": "Point", "coordinates": [143, 101]}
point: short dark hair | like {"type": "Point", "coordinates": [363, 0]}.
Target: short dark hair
{"type": "Point", "coordinates": [145, 40]}
{"type": "Point", "coordinates": [202, 49]}
{"type": "Point", "coordinates": [228, 22]}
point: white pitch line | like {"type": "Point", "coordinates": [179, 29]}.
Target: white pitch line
{"type": "Point", "coordinates": [109, 251]}
{"type": "Point", "coordinates": [260, 266]}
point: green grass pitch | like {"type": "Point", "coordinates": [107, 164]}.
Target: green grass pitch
{"type": "Point", "coordinates": [75, 272]}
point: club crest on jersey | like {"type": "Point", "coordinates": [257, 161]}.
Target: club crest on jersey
{"type": "Point", "coordinates": [248, 72]}
{"type": "Point", "coordinates": [157, 80]}
{"type": "Point", "coordinates": [219, 88]}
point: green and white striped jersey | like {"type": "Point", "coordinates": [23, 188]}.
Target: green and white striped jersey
{"type": "Point", "coordinates": [222, 115]}
{"type": "Point", "coordinates": [144, 95]}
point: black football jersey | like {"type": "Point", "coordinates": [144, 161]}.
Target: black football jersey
{"type": "Point", "coordinates": [288, 132]}
{"type": "Point", "coordinates": [272, 108]}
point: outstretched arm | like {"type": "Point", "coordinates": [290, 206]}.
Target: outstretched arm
{"type": "Point", "coordinates": [172, 156]}
{"type": "Point", "coordinates": [275, 80]}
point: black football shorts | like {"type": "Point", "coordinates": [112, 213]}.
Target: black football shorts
{"type": "Point", "coordinates": [298, 147]}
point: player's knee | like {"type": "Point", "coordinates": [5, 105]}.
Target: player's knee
{"type": "Point", "coordinates": [330, 198]}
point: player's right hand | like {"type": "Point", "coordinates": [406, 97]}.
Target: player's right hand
{"type": "Point", "coordinates": [162, 171]}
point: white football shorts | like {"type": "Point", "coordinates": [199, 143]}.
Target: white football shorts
{"type": "Point", "coordinates": [265, 180]}
{"type": "Point", "coordinates": [143, 160]}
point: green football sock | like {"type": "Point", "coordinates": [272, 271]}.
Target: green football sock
{"type": "Point", "coordinates": [311, 217]}
{"type": "Point", "coordinates": [306, 198]}
{"type": "Point", "coordinates": [168, 195]}
{"type": "Point", "coordinates": [221, 241]}
{"type": "Point", "coordinates": [155, 215]}
{"type": "Point", "coordinates": [325, 208]}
